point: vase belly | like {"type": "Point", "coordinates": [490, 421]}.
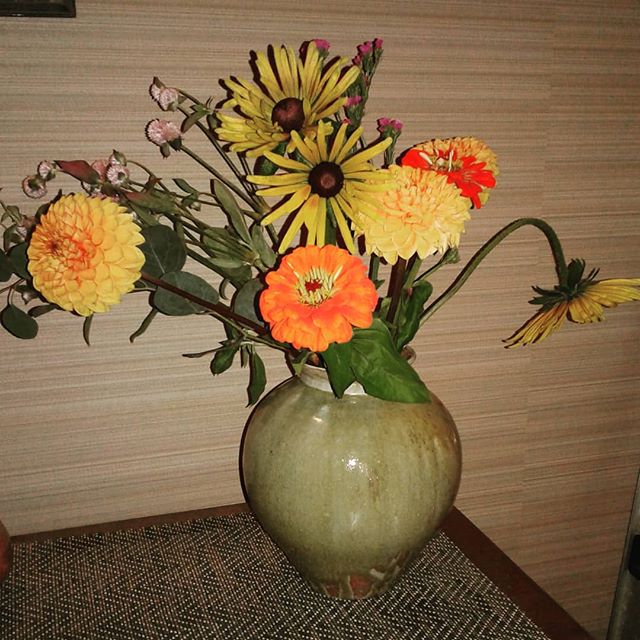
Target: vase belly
{"type": "Point", "coordinates": [350, 489]}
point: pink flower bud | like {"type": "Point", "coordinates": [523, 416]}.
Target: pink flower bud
{"type": "Point", "coordinates": [168, 99]}
{"type": "Point", "coordinates": [384, 124]}
{"type": "Point", "coordinates": [162, 131]}
{"type": "Point", "coordinates": [365, 48]}
{"type": "Point", "coordinates": [352, 101]}
{"type": "Point", "coordinates": [155, 89]}
{"type": "Point", "coordinates": [323, 46]}
{"type": "Point", "coordinates": [356, 61]}
{"type": "Point", "coordinates": [34, 187]}
{"type": "Point", "coordinates": [46, 170]}
{"type": "Point", "coordinates": [377, 43]}
{"type": "Point", "coordinates": [100, 167]}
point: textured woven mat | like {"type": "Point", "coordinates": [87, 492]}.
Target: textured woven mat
{"type": "Point", "coordinates": [224, 578]}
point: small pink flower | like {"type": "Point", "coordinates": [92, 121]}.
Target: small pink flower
{"type": "Point", "coordinates": [365, 48]}
{"type": "Point", "coordinates": [377, 43]}
{"type": "Point", "coordinates": [46, 170]}
{"type": "Point", "coordinates": [356, 61]}
{"type": "Point", "coordinates": [100, 167]}
{"type": "Point", "coordinates": [168, 99]}
{"type": "Point", "coordinates": [352, 101]}
{"type": "Point", "coordinates": [346, 121]}
{"type": "Point", "coordinates": [322, 45]}
{"type": "Point", "coordinates": [154, 90]}
{"type": "Point", "coordinates": [34, 187]}
{"type": "Point", "coordinates": [117, 174]}
{"type": "Point", "coordinates": [389, 123]}
{"type": "Point", "coordinates": [162, 131]}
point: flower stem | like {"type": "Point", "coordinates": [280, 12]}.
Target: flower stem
{"type": "Point", "coordinates": [395, 287]}
{"type": "Point", "coordinates": [487, 247]}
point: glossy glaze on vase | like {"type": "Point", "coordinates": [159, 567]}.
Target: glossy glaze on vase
{"type": "Point", "coordinates": [349, 489]}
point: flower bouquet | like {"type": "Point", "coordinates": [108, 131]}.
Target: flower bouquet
{"type": "Point", "coordinates": [312, 241]}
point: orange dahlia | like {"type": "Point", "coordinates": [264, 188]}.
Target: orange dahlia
{"type": "Point", "coordinates": [83, 255]}
{"type": "Point", "coordinates": [316, 296]}
{"type": "Point", "coordinates": [467, 162]}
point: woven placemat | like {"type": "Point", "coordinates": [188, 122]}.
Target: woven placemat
{"type": "Point", "coordinates": [224, 578]}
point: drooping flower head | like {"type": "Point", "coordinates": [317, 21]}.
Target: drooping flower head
{"type": "Point", "coordinates": [162, 131]}
{"type": "Point", "coordinates": [467, 162]}
{"type": "Point", "coordinates": [83, 254]}
{"type": "Point", "coordinates": [316, 296]}
{"type": "Point", "coordinates": [581, 300]}
{"type": "Point", "coordinates": [422, 213]}
{"type": "Point", "coordinates": [326, 177]}
{"type": "Point", "coordinates": [293, 94]}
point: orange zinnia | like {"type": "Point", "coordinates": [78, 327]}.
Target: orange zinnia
{"type": "Point", "coordinates": [316, 296]}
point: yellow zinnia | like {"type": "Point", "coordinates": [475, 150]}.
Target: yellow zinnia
{"type": "Point", "coordinates": [327, 177]}
{"type": "Point", "coordinates": [83, 254]}
{"type": "Point", "coordinates": [421, 214]}
{"type": "Point", "coordinates": [293, 94]}
{"type": "Point", "coordinates": [582, 302]}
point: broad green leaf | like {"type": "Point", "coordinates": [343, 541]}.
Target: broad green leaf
{"type": "Point", "coordinates": [6, 268]}
{"type": "Point", "coordinates": [223, 359]}
{"type": "Point", "coordinates": [299, 361]}
{"type": "Point", "coordinates": [381, 370]}
{"type": "Point", "coordinates": [144, 325]}
{"type": "Point", "coordinates": [231, 208]}
{"type": "Point", "coordinates": [18, 323]}
{"type": "Point", "coordinates": [257, 378]}
{"type": "Point", "coordinates": [163, 251]}
{"type": "Point", "coordinates": [245, 301]}
{"type": "Point", "coordinates": [173, 304]}
{"type": "Point", "coordinates": [9, 237]}
{"type": "Point", "coordinates": [86, 329]}
{"type": "Point", "coordinates": [260, 246]}
{"type": "Point", "coordinates": [338, 360]}
{"type": "Point", "coordinates": [184, 185]}
{"type": "Point", "coordinates": [19, 260]}
{"type": "Point", "coordinates": [409, 322]}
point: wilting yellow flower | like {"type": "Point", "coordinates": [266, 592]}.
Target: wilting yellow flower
{"type": "Point", "coordinates": [586, 303]}
{"type": "Point", "coordinates": [467, 162]}
{"type": "Point", "coordinates": [316, 296]}
{"type": "Point", "coordinates": [293, 95]}
{"type": "Point", "coordinates": [325, 178]}
{"type": "Point", "coordinates": [421, 214]}
{"type": "Point", "coordinates": [83, 254]}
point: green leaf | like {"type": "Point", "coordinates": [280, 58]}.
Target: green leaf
{"type": "Point", "coordinates": [163, 251]}
{"type": "Point", "coordinates": [18, 323]}
{"type": "Point", "coordinates": [299, 361]}
{"type": "Point", "coordinates": [86, 329]}
{"type": "Point", "coordinates": [41, 309]}
{"type": "Point", "coordinates": [231, 208]}
{"type": "Point", "coordinates": [144, 325]}
{"type": "Point", "coordinates": [150, 201]}
{"type": "Point", "coordinates": [264, 166]}
{"type": "Point", "coordinates": [338, 360]}
{"type": "Point", "coordinates": [258, 378]}
{"type": "Point", "coordinates": [173, 304]}
{"type": "Point", "coordinates": [381, 370]}
{"type": "Point", "coordinates": [19, 260]}
{"type": "Point", "coordinates": [245, 302]}
{"type": "Point", "coordinates": [6, 268]}
{"type": "Point", "coordinates": [9, 237]}
{"type": "Point", "coordinates": [184, 185]}
{"type": "Point", "coordinates": [409, 322]}
{"type": "Point", "coordinates": [260, 246]}
{"type": "Point", "coordinates": [223, 359]}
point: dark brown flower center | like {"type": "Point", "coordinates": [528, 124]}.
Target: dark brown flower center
{"type": "Point", "coordinates": [289, 114]}
{"type": "Point", "coordinates": [326, 179]}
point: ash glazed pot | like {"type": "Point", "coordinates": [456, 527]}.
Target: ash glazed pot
{"type": "Point", "coordinates": [350, 489]}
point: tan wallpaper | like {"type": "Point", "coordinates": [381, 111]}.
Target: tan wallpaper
{"type": "Point", "coordinates": [550, 433]}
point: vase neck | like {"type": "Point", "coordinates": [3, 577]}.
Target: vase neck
{"type": "Point", "coordinates": [316, 377]}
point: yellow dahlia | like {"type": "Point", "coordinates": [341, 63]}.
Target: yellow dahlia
{"type": "Point", "coordinates": [467, 162]}
{"type": "Point", "coordinates": [580, 300]}
{"type": "Point", "coordinates": [292, 94]}
{"type": "Point", "coordinates": [83, 254]}
{"type": "Point", "coordinates": [421, 214]}
{"type": "Point", "coordinates": [327, 177]}
{"type": "Point", "coordinates": [316, 296]}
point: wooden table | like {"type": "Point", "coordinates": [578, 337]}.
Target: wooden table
{"type": "Point", "coordinates": [487, 557]}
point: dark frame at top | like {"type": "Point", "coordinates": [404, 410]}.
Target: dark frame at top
{"type": "Point", "coordinates": [38, 8]}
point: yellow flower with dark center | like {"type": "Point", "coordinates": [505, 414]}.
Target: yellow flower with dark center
{"type": "Point", "coordinates": [327, 177]}
{"type": "Point", "coordinates": [421, 214]}
{"type": "Point", "coordinates": [581, 302]}
{"type": "Point", "coordinates": [292, 94]}
{"type": "Point", "coordinates": [83, 255]}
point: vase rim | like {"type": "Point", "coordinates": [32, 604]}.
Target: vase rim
{"type": "Point", "coordinates": [317, 378]}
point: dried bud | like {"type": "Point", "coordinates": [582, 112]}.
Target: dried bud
{"type": "Point", "coordinates": [117, 175]}
{"type": "Point", "coordinates": [46, 170]}
{"type": "Point", "coordinates": [34, 187]}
